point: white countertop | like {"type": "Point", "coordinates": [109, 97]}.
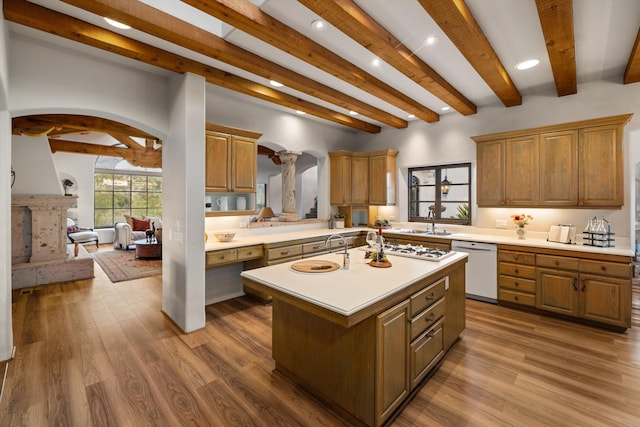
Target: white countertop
{"type": "Point", "coordinates": [506, 237]}
{"type": "Point", "coordinates": [348, 291]}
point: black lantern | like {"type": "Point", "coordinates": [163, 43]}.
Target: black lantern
{"type": "Point", "coordinates": [445, 184]}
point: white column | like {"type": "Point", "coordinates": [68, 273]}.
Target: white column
{"type": "Point", "coordinates": [183, 276]}
{"type": "Point", "coordinates": [6, 331]}
{"type": "Point", "coordinates": [288, 165]}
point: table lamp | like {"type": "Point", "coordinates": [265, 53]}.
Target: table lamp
{"type": "Point", "coordinates": [265, 212]}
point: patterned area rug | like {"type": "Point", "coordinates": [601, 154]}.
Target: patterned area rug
{"type": "Point", "coordinates": [121, 265]}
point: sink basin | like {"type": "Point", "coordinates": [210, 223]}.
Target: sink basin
{"type": "Point", "coordinates": [315, 266]}
{"type": "Point", "coordinates": [438, 233]}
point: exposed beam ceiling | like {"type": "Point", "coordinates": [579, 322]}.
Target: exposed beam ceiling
{"type": "Point", "coordinates": [31, 15]}
{"type": "Point", "coordinates": [144, 157]}
{"type": "Point", "coordinates": [457, 21]}
{"type": "Point", "coordinates": [556, 19]}
{"type": "Point", "coordinates": [245, 16]}
{"type": "Point", "coordinates": [354, 22]}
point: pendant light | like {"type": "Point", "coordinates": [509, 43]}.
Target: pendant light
{"type": "Point", "coordinates": [445, 184]}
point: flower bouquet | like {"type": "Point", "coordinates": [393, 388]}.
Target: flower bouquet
{"type": "Point", "coordinates": [520, 220]}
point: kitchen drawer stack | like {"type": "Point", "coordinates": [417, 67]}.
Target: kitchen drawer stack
{"type": "Point", "coordinates": [426, 336]}
{"type": "Point", "coordinates": [232, 256]}
{"type": "Point", "coordinates": [517, 277]}
{"type": "Point", "coordinates": [570, 284]}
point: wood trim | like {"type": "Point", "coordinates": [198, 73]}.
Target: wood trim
{"type": "Point", "coordinates": [556, 19]}
{"type": "Point", "coordinates": [349, 18]}
{"type": "Point", "coordinates": [568, 253]}
{"type": "Point", "coordinates": [213, 127]}
{"type": "Point", "coordinates": [143, 157]}
{"type": "Point", "coordinates": [250, 19]}
{"type": "Point", "coordinates": [458, 23]}
{"type": "Point", "coordinates": [611, 120]}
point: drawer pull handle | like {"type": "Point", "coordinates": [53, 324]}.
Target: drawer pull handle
{"type": "Point", "coordinates": [517, 284]}
{"type": "Point", "coordinates": [431, 334]}
{"type": "Point", "coordinates": [515, 297]}
{"type": "Point", "coordinates": [575, 287]}
{"type": "Point", "coordinates": [430, 297]}
{"type": "Point", "coordinates": [249, 253]}
{"type": "Point", "coordinates": [584, 285]}
{"type": "Point", "coordinates": [285, 252]}
{"type": "Point", "coordinates": [222, 257]}
{"type": "Point", "coordinates": [517, 271]}
{"type": "Point", "coordinates": [603, 268]}
{"type": "Point", "coordinates": [431, 317]}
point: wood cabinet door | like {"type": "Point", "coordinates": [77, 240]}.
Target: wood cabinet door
{"type": "Point", "coordinates": [392, 358]}
{"type": "Point", "coordinates": [557, 291]}
{"type": "Point", "coordinates": [605, 300]}
{"type": "Point", "coordinates": [490, 173]}
{"type": "Point", "coordinates": [559, 168]}
{"type": "Point", "coordinates": [217, 161]}
{"type": "Point", "coordinates": [521, 166]}
{"type": "Point", "coordinates": [601, 166]}
{"type": "Point", "coordinates": [382, 180]}
{"type": "Point", "coordinates": [244, 164]}
{"type": "Point", "coordinates": [360, 180]}
{"type": "Point", "coordinates": [340, 170]}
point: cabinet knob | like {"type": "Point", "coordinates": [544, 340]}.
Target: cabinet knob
{"type": "Point", "coordinates": [517, 284]}
{"type": "Point", "coordinates": [517, 271]}
{"type": "Point", "coordinates": [603, 268]}
{"type": "Point", "coordinates": [515, 298]}
{"type": "Point", "coordinates": [249, 253]}
{"type": "Point", "coordinates": [222, 257]}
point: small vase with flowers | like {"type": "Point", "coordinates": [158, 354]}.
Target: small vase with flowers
{"type": "Point", "coordinates": [521, 221]}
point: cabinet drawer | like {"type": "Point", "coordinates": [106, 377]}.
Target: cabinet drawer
{"type": "Point", "coordinates": [517, 297]}
{"type": "Point", "coordinates": [251, 252]}
{"type": "Point", "coordinates": [561, 262]}
{"type": "Point", "coordinates": [309, 248]}
{"type": "Point", "coordinates": [284, 252]}
{"type": "Point", "coordinates": [611, 269]}
{"type": "Point", "coordinates": [516, 270]}
{"type": "Point", "coordinates": [425, 352]}
{"type": "Point", "coordinates": [221, 257]}
{"type": "Point", "coordinates": [517, 284]}
{"type": "Point", "coordinates": [428, 317]}
{"type": "Point", "coordinates": [517, 257]}
{"type": "Point", "coordinates": [427, 296]}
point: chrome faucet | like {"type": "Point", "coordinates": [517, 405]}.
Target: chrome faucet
{"type": "Point", "coordinates": [432, 215]}
{"type": "Point", "coordinates": [345, 254]}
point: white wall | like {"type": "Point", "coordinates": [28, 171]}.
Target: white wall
{"type": "Point", "coordinates": [449, 141]}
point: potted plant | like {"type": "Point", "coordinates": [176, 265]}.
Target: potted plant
{"type": "Point", "coordinates": [339, 219]}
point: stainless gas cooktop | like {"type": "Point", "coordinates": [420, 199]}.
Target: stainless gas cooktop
{"type": "Point", "coordinates": [414, 251]}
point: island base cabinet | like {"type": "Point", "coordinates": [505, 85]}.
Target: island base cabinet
{"type": "Point", "coordinates": [426, 351]}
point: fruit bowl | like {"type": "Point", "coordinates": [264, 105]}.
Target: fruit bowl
{"type": "Point", "coordinates": [225, 236]}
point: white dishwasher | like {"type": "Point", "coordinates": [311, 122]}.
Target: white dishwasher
{"type": "Point", "coordinates": [481, 271]}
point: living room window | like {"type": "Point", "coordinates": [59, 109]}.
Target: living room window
{"type": "Point", "coordinates": [443, 191]}
{"type": "Point", "coordinates": [120, 188]}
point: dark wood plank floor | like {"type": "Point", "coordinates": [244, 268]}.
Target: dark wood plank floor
{"type": "Point", "coordinates": [94, 353]}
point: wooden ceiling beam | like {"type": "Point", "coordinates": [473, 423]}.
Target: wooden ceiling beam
{"type": "Point", "coordinates": [34, 16]}
{"type": "Point", "coordinates": [144, 158]}
{"type": "Point", "coordinates": [632, 73]}
{"type": "Point", "coordinates": [162, 25]}
{"type": "Point", "coordinates": [456, 20]}
{"type": "Point", "coordinates": [64, 124]}
{"type": "Point", "coordinates": [248, 18]}
{"type": "Point", "coordinates": [556, 19]}
{"type": "Point", "coordinates": [129, 142]}
{"type": "Point", "coordinates": [349, 18]}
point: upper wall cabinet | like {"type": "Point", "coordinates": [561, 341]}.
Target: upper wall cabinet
{"type": "Point", "coordinates": [575, 164]}
{"type": "Point", "coordinates": [363, 178]}
{"type": "Point", "coordinates": [231, 159]}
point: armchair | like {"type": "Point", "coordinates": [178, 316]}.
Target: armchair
{"type": "Point", "coordinates": [125, 233]}
{"type": "Point", "coordinates": [79, 235]}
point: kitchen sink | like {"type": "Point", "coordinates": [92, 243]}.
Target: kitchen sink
{"type": "Point", "coordinates": [437, 233]}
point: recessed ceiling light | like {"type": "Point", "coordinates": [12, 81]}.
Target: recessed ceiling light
{"type": "Point", "coordinates": [275, 83]}
{"type": "Point", "coordinates": [318, 25]}
{"type": "Point", "coordinates": [430, 41]}
{"type": "Point", "coordinates": [445, 109]}
{"type": "Point", "coordinates": [302, 113]}
{"type": "Point", "coordinates": [411, 116]}
{"type": "Point", "coordinates": [529, 63]}
{"type": "Point", "coordinates": [117, 24]}
{"type": "Point", "coordinates": [375, 62]}
{"type": "Point", "coordinates": [353, 113]}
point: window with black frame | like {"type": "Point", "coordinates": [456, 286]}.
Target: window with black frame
{"type": "Point", "coordinates": [443, 191]}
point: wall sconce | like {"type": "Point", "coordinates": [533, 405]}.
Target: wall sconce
{"type": "Point", "coordinates": [13, 177]}
{"type": "Point", "coordinates": [445, 184]}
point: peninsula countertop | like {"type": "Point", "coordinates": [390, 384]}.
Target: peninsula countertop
{"type": "Point", "coordinates": [346, 292]}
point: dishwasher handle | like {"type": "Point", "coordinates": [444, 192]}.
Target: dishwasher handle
{"type": "Point", "coordinates": [464, 246]}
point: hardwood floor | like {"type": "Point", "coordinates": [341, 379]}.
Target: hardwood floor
{"type": "Point", "coordinates": [94, 353]}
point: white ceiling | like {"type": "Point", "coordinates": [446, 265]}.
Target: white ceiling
{"type": "Point", "coordinates": [605, 31]}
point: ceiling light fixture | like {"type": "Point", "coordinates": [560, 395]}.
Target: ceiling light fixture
{"type": "Point", "coordinates": [302, 113]}
{"type": "Point", "coordinates": [411, 116]}
{"type": "Point", "coordinates": [275, 83]}
{"type": "Point", "coordinates": [375, 62]}
{"type": "Point", "coordinates": [525, 65]}
{"type": "Point", "coordinates": [353, 113]}
{"type": "Point", "coordinates": [445, 184]}
{"type": "Point", "coordinates": [430, 41]}
{"type": "Point", "coordinates": [117, 24]}
{"type": "Point", "coordinates": [445, 109]}
{"type": "Point", "coordinates": [318, 25]}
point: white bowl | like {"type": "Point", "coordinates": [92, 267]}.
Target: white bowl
{"type": "Point", "coordinates": [225, 236]}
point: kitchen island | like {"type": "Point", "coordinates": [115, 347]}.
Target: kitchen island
{"type": "Point", "coordinates": [363, 339]}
